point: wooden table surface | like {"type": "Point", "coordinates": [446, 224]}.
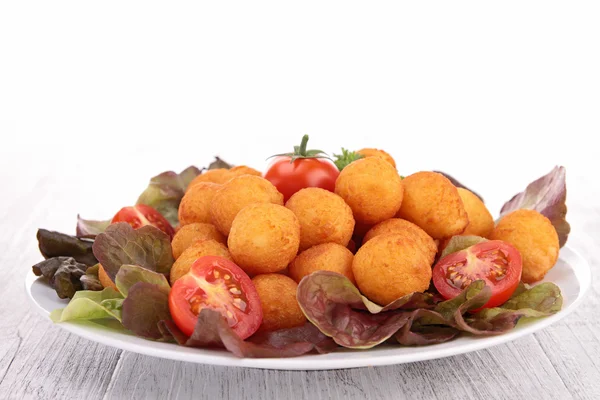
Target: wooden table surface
{"type": "Point", "coordinates": [39, 360]}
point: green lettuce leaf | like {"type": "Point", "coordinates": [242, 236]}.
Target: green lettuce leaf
{"type": "Point", "coordinates": [165, 191]}
{"type": "Point", "coordinates": [538, 301]}
{"type": "Point", "coordinates": [91, 305]}
{"type": "Point", "coordinates": [459, 242]}
{"type": "Point", "coordinates": [144, 307]}
{"type": "Point", "coordinates": [120, 244]}
{"type": "Point", "coordinates": [55, 244]}
{"type": "Point", "coordinates": [341, 161]}
{"type": "Point", "coordinates": [129, 275]}
{"type": "Point", "coordinates": [547, 195]}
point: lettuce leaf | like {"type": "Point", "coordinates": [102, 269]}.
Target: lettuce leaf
{"type": "Point", "coordinates": [63, 274]}
{"type": "Point", "coordinates": [91, 305]}
{"type": "Point", "coordinates": [438, 331]}
{"type": "Point", "coordinates": [90, 228]}
{"type": "Point", "coordinates": [212, 330]}
{"type": "Point", "coordinates": [139, 304]}
{"type": "Point", "coordinates": [334, 305]}
{"type": "Point", "coordinates": [129, 275]}
{"type": "Point", "coordinates": [460, 242]}
{"type": "Point", "coordinates": [120, 244]}
{"type": "Point", "coordinates": [165, 191]}
{"type": "Point", "coordinates": [90, 280]}
{"type": "Point", "coordinates": [547, 195]}
{"type": "Point", "coordinates": [144, 307]}
{"type": "Point", "coordinates": [56, 244]}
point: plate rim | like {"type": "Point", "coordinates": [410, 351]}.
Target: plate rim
{"type": "Point", "coordinates": [579, 264]}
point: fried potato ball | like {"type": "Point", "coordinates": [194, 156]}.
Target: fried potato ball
{"type": "Point", "coordinates": [218, 175]}
{"type": "Point", "coordinates": [432, 202]}
{"type": "Point", "coordinates": [195, 204]}
{"type": "Point", "coordinates": [191, 233]}
{"type": "Point", "coordinates": [277, 294]}
{"type": "Point", "coordinates": [238, 193]}
{"type": "Point", "coordinates": [535, 238]}
{"type": "Point", "coordinates": [199, 249]}
{"type": "Point", "coordinates": [324, 217]}
{"type": "Point", "coordinates": [323, 257]}
{"type": "Point", "coordinates": [377, 153]}
{"type": "Point", "coordinates": [481, 222]}
{"type": "Point", "coordinates": [243, 170]}
{"type": "Point", "coordinates": [408, 229]}
{"type": "Point", "coordinates": [264, 238]}
{"type": "Point", "coordinates": [390, 266]}
{"type": "Point", "coordinates": [105, 279]}
{"type": "Point", "coordinates": [372, 188]}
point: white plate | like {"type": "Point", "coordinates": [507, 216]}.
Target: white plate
{"type": "Point", "coordinates": [572, 274]}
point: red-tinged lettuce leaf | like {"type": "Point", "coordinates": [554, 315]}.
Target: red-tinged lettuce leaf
{"type": "Point", "coordinates": [307, 333]}
{"type": "Point", "coordinates": [165, 191]}
{"type": "Point", "coordinates": [460, 242]}
{"type": "Point", "coordinates": [63, 274]}
{"type": "Point", "coordinates": [90, 228]}
{"type": "Point", "coordinates": [421, 335]}
{"type": "Point", "coordinates": [129, 275]}
{"type": "Point", "coordinates": [120, 244]}
{"type": "Point", "coordinates": [335, 306]}
{"type": "Point", "coordinates": [56, 244]}
{"type": "Point", "coordinates": [472, 297]}
{"type": "Point", "coordinates": [219, 163]}
{"type": "Point", "coordinates": [456, 183]}
{"type": "Point", "coordinates": [144, 307]}
{"type": "Point", "coordinates": [547, 195]}
{"type": "Point", "coordinates": [212, 330]}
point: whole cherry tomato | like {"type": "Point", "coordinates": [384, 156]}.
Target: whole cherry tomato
{"type": "Point", "coordinates": [301, 169]}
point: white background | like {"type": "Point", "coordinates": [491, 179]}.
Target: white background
{"type": "Point", "coordinates": [97, 98]}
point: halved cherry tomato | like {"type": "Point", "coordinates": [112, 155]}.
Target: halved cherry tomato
{"type": "Point", "coordinates": [301, 169]}
{"type": "Point", "coordinates": [140, 215]}
{"type": "Point", "coordinates": [218, 284]}
{"type": "Point", "coordinates": [496, 262]}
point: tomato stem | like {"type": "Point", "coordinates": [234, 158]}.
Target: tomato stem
{"type": "Point", "coordinates": [303, 143]}
{"type": "Point", "coordinates": [301, 152]}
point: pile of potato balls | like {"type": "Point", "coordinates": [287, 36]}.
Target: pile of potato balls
{"type": "Point", "coordinates": [379, 230]}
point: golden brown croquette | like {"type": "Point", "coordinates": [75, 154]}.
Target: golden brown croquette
{"type": "Point", "coordinates": [323, 257]}
{"type": "Point", "coordinates": [191, 233]}
{"type": "Point", "coordinates": [264, 238]}
{"type": "Point", "coordinates": [280, 308]}
{"type": "Point", "coordinates": [372, 188]}
{"type": "Point", "coordinates": [236, 194]}
{"type": "Point", "coordinates": [324, 217]}
{"type": "Point", "coordinates": [536, 239]}
{"type": "Point", "coordinates": [390, 266]}
{"type": "Point", "coordinates": [432, 202]}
